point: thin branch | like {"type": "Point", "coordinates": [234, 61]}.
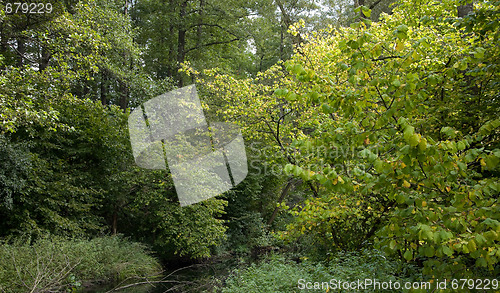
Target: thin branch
{"type": "Point", "coordinates": [21, 54]}
{"type": "Point", "coordinates": [213, 25]}
{"type": "Point", "coordinates": [211, 44]}
{"type": "Point", "coordinates": [375, 4]}
{"type": "Point", "coordinates": [386, 57]}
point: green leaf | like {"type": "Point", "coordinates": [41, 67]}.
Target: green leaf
{"type": "Point", "coordinates": [429, 251]}
{"type": "Point", "coordinates": [291, 96]}
{"type": "Point", "coordinates": [281, 92]}
{"type": "Point", "coordinates": [408, 132]}
{"type": "Point", "coordinates": [353, 44]}
{"type": "Point", "coordinates": [447, 250]}
{"type": "Point", "coordinates": [408, 255]}
{"type": "Point", "coordinates": [392, 244]}
{"type": "Point", "coordinates": [414, 140]}
{"type": "Point", "coordinates": [297, 171]}
{"type": "Point", "coordinates": [450, 132]}
{"type": "Point", "coordinates": [422, 145]}
{"type": "Point", "coordinates": [297, 69]}
{"type": "Point", "coordinates": [366, 11]}
{"type": "Point", "coordinates": [472, 245]}
{"type": "Point", "coordinates": [481, 262]}
{"type": "Point", "coordinates": [378, 165]}
{"type": "Point", "coordinates": [288, 168]}
{"type": "Point", "coordinates": [479, 53]}
{"type": "Point", "coordinates": [327, 109]}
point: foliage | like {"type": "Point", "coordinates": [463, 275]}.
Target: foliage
{"type": "Point", "coordinates": [277, 274]}
{"type": "Point", "coordinates": [78, 177]}
{"type": "Point", "coordinates": [68, 167]}
{"type": "Point", "coordinates": [394, 125]}
{"type": "Point", "coordinates": [82, 178]}
{"type": "Point", "coordinates": [383, 133]}
{"type": "Point", "coordinates": [13, 173]}
{"type": "Point", "coordinates": [66, 170]}
{"type": "Point", "coordinates": [53, 263]}
{"type": "Point", "coordinates": [155, 217]}
{"type": "Point", "coordinates": [247, 212]}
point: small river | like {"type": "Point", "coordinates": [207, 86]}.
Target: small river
{"type": "Point", "coordinates": [193, 278]}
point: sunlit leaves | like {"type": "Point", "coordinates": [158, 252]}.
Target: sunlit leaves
{"type": "Point", "coordinates": [415, 104]}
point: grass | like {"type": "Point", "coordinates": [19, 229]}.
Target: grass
{"type": "Point", "coordinates": [57, 264]}
{"type": "Point", "coordinates": [278, 274]}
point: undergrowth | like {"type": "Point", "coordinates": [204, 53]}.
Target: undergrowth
{"type": "Point", "coordinates": [57, 264]}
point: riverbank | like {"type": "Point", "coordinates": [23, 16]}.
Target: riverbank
{"type": "Point", "coordinates": [57, 264]}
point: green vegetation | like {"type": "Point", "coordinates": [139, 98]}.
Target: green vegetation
{"type": "Point", "coordinates": [371, 130]}
{"type": "Point", "coordinates": [57, 264]}
{"type": "Point", "coordinates": [277, 274]}
{"type": "Point", "coordinates": [375, 119]}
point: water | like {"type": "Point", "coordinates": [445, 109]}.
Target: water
{"type": "Point", "coordinates": [194, 278]}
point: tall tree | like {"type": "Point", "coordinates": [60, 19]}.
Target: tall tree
{"type": "Point", "coordinates": [394, 127]}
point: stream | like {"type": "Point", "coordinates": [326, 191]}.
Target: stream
{"type": "Point", "coordinates": [192, 278]}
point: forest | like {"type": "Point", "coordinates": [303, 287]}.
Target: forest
{"type": "Point", "coordinates": [371, 130]}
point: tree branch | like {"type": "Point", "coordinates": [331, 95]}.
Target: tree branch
{"type": "Point", "coordinates": [211, 44]}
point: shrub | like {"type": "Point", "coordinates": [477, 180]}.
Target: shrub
{"type": "Point", "coordinates": [277, 274]}
{"type": "Point", "coordinates": [53, 263]}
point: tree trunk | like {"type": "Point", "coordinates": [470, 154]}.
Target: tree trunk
{"type": "Point", "coordinates": [44, 59]}
{"type": "Point", "coordinates": [464, 10]}
{"type": "Point", "coordinates": [20, 51]}
{"type": "Point", "coordinates": [4, 46]}
{"type": "Point", "coordinates": [290, 185]}
{"type": "Point", "coordinates": [123, 95]}
{"type": "Point", "coordinates": [282, 42]}
{"type": "Point", "coordinates": [181, 42]}
{"type": "Point", "coordinates": [114, 225]}
{"type": "Point", "coordinates": [104, 88]}
{"type": "Point", "coordinates": [125, 9]}
{"type": "Point", "coordinates": [200, 26]}
{"type": "Point", "coordinates": [287, 19]}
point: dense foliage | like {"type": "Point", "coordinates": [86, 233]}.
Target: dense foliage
{"type": "Point", "coordinates": [372, 132]}
{"type": "Point", "coordinates": [277, 274]}
{"type": "Point", "coordinates": [58, 265]}
{"type": "Point", "coordinates": [394, 127]}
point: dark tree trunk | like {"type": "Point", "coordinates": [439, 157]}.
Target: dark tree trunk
{"type": "Point", "coordinates": [20, 51]}
{"type": "Point", "coordinates": [104, 88]}
{"type": "Point", "coordinates": [44, 59]}
{"type": "Point", "coordinates": [290, 185]}
{"type": "Point", "coordinates": [3, 45]}
{"type": "Point", "coordinates": [287, 19]}
{"type": "Point", "coordinates": [200, 26]}
{"type": "Point", "coordinates": [181, 45]}
{"type": "Point", "coordinates": [464, 10]}
{"type": "Point", "coordinates": [123, 95]}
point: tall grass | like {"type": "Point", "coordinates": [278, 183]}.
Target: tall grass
{"type": "Point", "coordinates": [53, 264]}
{"type": "Point", "coordinates": [277, 274]}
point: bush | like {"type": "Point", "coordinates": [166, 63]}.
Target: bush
{"type": "Point", "coordinates": [277, 274]}
{"type": "Point", "coordinates": [59, 264]}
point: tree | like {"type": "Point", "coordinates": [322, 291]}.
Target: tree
{"type": "Point", "coordinates": [394, 127]}
{"type": "Point", "coordinates": [195, 31]}
{"type": "Point", "coordinates": [68, 167]}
